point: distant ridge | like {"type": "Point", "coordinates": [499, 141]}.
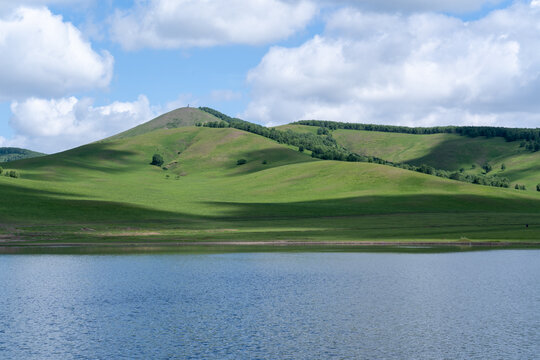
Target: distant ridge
{"type": "Point", "coordinates": [13, 153]}
{"type": "Point", "coordinates": [186, 116]}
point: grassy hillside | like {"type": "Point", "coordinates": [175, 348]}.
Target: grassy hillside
{"type": "Point", "coordinates": [443, 151]}
{"type": "Point", "coordinates": [107, 192]}
{"type": "Point", "coordinates": [181, 117]}
{"type": "Point", "coordinates": [12, 154]}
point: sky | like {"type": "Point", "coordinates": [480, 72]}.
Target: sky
{"type": "Point", "coordinates": [76, 71]}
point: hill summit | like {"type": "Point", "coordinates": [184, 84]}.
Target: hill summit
{"type": "Point", "coordinates": [185, 116]}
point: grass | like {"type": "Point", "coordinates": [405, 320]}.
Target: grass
{"type": "Point", "coordinates": [108, 193]}
{"type": "Point", "coordinates": [442, 151]}
{"type": "Point", "coordinates": [12, 154]}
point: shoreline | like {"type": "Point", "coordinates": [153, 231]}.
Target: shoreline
{"type": "Point", "coordinates": [21, 247]}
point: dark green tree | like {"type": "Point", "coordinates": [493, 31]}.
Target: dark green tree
{"type": "Point", "coordinates": [538, 187]}
{"type": "Point", "coordinates": [241, 162]}
{"type": "Point", "coordinates": [1, 170]}
{"type": "Point", "coordinates": [13, 174]}
{"type": "Point", "coordinates": [157, 160]}
{"type": "Point", "coordinates": [487, 167]}
{"type": "Point", "coordinates": [503, 167]}
{"type": "Point", "coordinates": [301, 148]}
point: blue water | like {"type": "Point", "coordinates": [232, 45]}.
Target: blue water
{"type": "Point", "coordinates": [473, 305]}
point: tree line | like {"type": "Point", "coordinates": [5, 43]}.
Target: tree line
{"type": "Point", "coordinates": [323, 146]}
{"type": "Point", "coordinates": [530, 137]}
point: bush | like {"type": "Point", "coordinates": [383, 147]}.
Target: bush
{"type": "Point", "coordinates": [14, 174]}
{"type": "Point", "coordinates": [157, 160]}
{"type": "Point", "coordinates": [1, 170]}
{"type": "Point", "coordinates": [538, 187]}
{"type": "Point", "coordinates": [264, 162]}
{"type": "Point", "coordinates": [301, 148]}
{"type": "Point", "coordinates": [503, 167]}
{"type": "Point", "coordinates": [241, 162]}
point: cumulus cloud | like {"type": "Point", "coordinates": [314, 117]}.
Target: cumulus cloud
{"type": "Point", "coordinates": [59, 124]}
{"type": "Point", "coordinates": [165, 24]}
{"type": "Point", "coordinates": [418, 69]}
{"type": "Point", "coordinates": [452, 6]}
{"type": "Point", "coordinates": [44, 56]}
{"type": "Point", "coordinates": [9, 5]}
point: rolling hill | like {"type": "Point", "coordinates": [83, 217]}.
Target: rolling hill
{"type": "Point", "coordinates": [108, 193]}
{"type": "Point", "coordinates": [450, 152]}
{"type": "Point", "coordinates": [12, 154]}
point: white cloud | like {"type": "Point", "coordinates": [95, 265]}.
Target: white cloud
{"type": "Point", "coordinates": [60, 124]}
{"type": "Point", "coordinates": [195, 23]}
{"type": "Point", "coordinates": [452, 6]}
{"type": "Point", "coordinates": [9, 5]}
{"type": "Point", "coordinates": [44, 56]}
{"type": "Point", "coordinates": [419, 69]}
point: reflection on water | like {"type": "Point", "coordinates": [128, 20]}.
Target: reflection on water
{"type": "Point", "coordinates": [271, 305]}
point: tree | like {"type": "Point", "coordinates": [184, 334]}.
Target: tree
{"type": "Point", "coordinates": [516, 187]}
{"type": "Point", "coordinates": [1, 170]}
{"type": "Point", "coordinates": [157, 160]}
{"type": "Point", "coordinates": [264, 162]}
{"type": "Point", "coordinates": [487, 167]}
{"type": "Point", "coordinates": [538, 187]}
{"type": "Point", "coordinates": [13, 174]}
{"type": "Point", "coordinates": [241, 162]}
{"type": "Point", "coordinates": [503, 167]}
{"type": "Point", "coordinates": [301, 148]}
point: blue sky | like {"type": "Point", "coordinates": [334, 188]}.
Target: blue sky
{"type": "Point", "coordinates": [411, 62]}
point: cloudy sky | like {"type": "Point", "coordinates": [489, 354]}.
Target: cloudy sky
{"type": "Point", "coordinates": [75, 71]}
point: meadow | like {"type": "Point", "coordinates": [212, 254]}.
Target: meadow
{"type": "Point", "coordinates": [108, 193]}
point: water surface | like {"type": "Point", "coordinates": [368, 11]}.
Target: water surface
{"type": "Point", "coordinates": [279, 305]}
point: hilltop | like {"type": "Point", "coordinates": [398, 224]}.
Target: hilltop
{"type": "Point", "coordinates": [446, 151]}
{"type": "Point", "coordinates": [12, 154]}
{"type": "Point", "coordinates": [108, 193]}
{"type": "Point", "coordinates": [181, 117]}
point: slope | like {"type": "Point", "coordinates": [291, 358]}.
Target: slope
{"type": "Point", "coordinates": [12, 154]}
{"type": "Point", "coordinates": [443, 151]}
{"type": "Point", "coordinates": [185, 116]}
{"type": "Point", "coordinates": [107, 192]}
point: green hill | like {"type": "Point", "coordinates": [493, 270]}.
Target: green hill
{"type": "Point", "coordinates": [181, 117]}
{"type": "Point", "coordinates": [108, 193]}
{"type": "Point", "coordinates": [12, 154]}
{"type": "Point", "coordinates": [442, 151]}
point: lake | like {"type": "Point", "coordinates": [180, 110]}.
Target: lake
{"type": "Point", "coordinates": [275, 305]}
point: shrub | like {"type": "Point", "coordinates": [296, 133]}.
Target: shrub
{"type": "Point", "coordinates": [157, 160]}
{"type": "Point", "coordinates": [1, 170]}
{"type": "Point", "coordinates": [538, 187]}
{"type": "Point", "coordinates": [14, 174]}
{"type": "Point", "coordinates": [264, 162]}
{"type": "Point", "coordinates": [301, 148]}
{"type": "Point", "coordinates": [487, 167]}
{"type": "Point", "coordinates": [241, 162]}
{"type": "Point", "coordinates": [503, 167]}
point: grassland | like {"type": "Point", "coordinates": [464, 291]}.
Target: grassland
{"type": "Point", "coordinates": [443, 151]}
{"type": "Point", "coordinates": [12, 154]}
{"type": "Point", "coordinates": [108, 193]}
